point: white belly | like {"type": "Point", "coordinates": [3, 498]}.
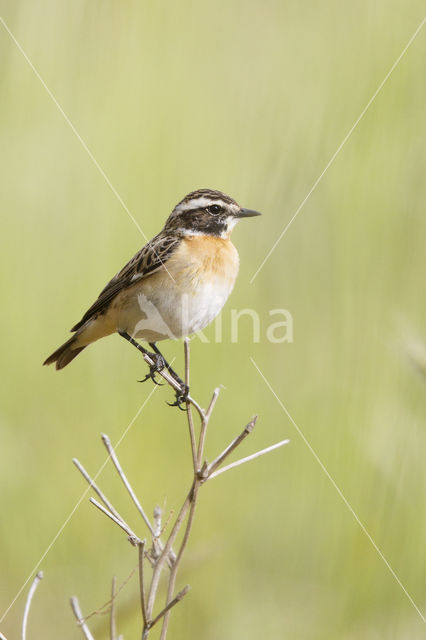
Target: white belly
{"type": "Point", "coordinates": [168, 313]}
{"type": "Point", "coordinates": [185, 299]}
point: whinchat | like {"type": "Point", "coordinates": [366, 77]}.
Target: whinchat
{"type": "Point", "coordinates": [173, 287]}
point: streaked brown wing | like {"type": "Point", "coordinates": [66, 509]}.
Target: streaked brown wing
{"type": "Point", "coordinates": [149, 259]}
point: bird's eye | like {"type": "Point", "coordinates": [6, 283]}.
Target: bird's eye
{"type": "Point", "coordinates": [214, 209]}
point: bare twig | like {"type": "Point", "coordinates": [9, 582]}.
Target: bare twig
{"type": "Point", "coordinates": [117, 465]}
{"type": "Point", "coordinates": [133, 538]}
{"type": "Point", "coordinates": [248, 458]}
{"type": "Point", "coordinates": [30, 596]}
{"type": "Point", "coordinates": [173, 573]}
{"type": "Point", "coordinates": [196, 406]}
{"type": "Point", "coordinates": [95, 487]}
{"type": "Point", "coordinates": [160, 562]}
{"type": "Point", "coordinates": [142, 582]}
{"type": "Point", "coordinates": [2, 637]}
{"type": "Point", "coordinates": [112, 625]}
{"type": "Point", "coordinates": [171, 604]}
{"type": "Point", "coordinates": [79, 617]}
{"type": "Point", "coordinates": [188, 407]}
{"type": "Point", "coordinates": [161, 554]}
{"type": "Point", "coordinates": [110, 508]}
{"type": "Point", "coordinates": [203, 430]}
{"type": "Point", "coordinates": [230, 448]}
{"type": "Point", "coordinates": [212, 403]}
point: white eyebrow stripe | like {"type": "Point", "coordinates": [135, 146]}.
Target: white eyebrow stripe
{"type": "Point", "coordinates": [202, 201]}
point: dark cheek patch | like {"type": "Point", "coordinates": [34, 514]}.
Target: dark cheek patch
{"type": "Point", "coordinates": [201, 221]}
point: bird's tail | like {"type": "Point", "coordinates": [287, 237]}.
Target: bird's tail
{"type": "Point", "coordinates": [67, 352]}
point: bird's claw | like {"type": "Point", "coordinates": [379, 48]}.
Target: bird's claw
{"type": "Point", "coordinates": [151, 376]}
{"type": "Point", "coordinates": [181, 397]}
{"type": "Point", "coordinates": [158, 365]}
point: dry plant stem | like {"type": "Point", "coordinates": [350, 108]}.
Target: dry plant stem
{"type": "Point", "coordinates": [203, 430]}
{"type": "Point", "coordinates": [188, 407]}
{"type": "Point", "coordinates": [212, 403]}
{"type": "Point", "coordinates": [133, 538]}
{"type": "Point", "coordinates": [113, 456]}
{"type": "Point", "coordinates": [173, 573]}
{"type": "Point", "coordinates": [230, 448]}
{"type": "Point", "coordinates": [237, 463]}
{"type": "Point", "coordinates": [193, 494]}
{"type": "Point", "coordinates": [96, 489]}
{"type": "Point", "coordinates": [142, 583]}
{"type": "Point", "coordinates": [2, 637]}
{"type": "Point", "coordinates": [159, 555]}
{"type": "Point", "coordinates": [160, 562]}
{"type": "Point", "coordinates": [171, 604]}
{"type": "Point", "coordinates": [112, 626]}
{"type": "Point", "coordinates": [79, 617]}
{"type": "Point", "coordinates": [30, 596]}
{"type": "Point", "coordinates": [118, 518]}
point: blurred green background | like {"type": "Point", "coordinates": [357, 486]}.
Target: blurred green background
{"type": "Point", "coordinates": [252, 98]}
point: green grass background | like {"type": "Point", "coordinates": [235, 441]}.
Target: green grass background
{"type": "Point", "coordinates": [252, 98]}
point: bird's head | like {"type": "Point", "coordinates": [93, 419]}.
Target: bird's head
{"type": "Point", "coordinates": [207, 212]}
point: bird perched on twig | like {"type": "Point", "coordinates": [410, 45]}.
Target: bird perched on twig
{"type": "Point", "coordinates": [173, 287]}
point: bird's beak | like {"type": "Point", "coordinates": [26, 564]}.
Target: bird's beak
{"type": "Point", "coordinates": [247, 213]}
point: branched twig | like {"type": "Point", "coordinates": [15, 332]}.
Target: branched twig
{"type": "Point", "coordinates": [117, 465]}
{"type": "Point", "coordinates": [96, 489]}
{"type": "Point", "coordinates": [30, 596]}
{"type": "Point", "coordinates": [161, 554]}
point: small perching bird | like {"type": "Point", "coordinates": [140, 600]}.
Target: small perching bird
{"type": "Point", "coordinates": [173, 287]}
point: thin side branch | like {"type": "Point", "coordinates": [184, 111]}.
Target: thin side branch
{"type": "Point", "coordinates": [203, 430]}
{"type": "Point", "coordinates": [230, 448]}
{"type": "Point", "coordinates": [30, 596]}
{"type": "Point", "coordinates": [212, 403]}
{"type": "Point", "coordinates": [171, 604]}
{"type": "Point", "coordinates": [79, 617]}
{"type": "Point", "coordinates": [248, 458]}
{"type": "Point", "coordinates": [133, 538]}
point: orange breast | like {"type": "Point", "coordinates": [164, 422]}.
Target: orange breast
{"type": "Point", "coordinates": [216, 257]}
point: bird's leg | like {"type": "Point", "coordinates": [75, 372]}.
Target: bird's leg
{"type": "Point", "coordinates": [182, 394]}
{"type": "Point", "coordinates": [159, 361]}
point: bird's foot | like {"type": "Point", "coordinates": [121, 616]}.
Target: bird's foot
{"type": "Point", "coordinates": [181, 396]}
{"type": "Point", "coordinates": [158, 365]}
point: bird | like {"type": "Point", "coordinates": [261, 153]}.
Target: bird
{"type": "Point", "coordinates": [173, 287]}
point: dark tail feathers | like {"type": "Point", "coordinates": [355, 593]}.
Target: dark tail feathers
{"type": "Point", "coordinates": [64, 354]}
